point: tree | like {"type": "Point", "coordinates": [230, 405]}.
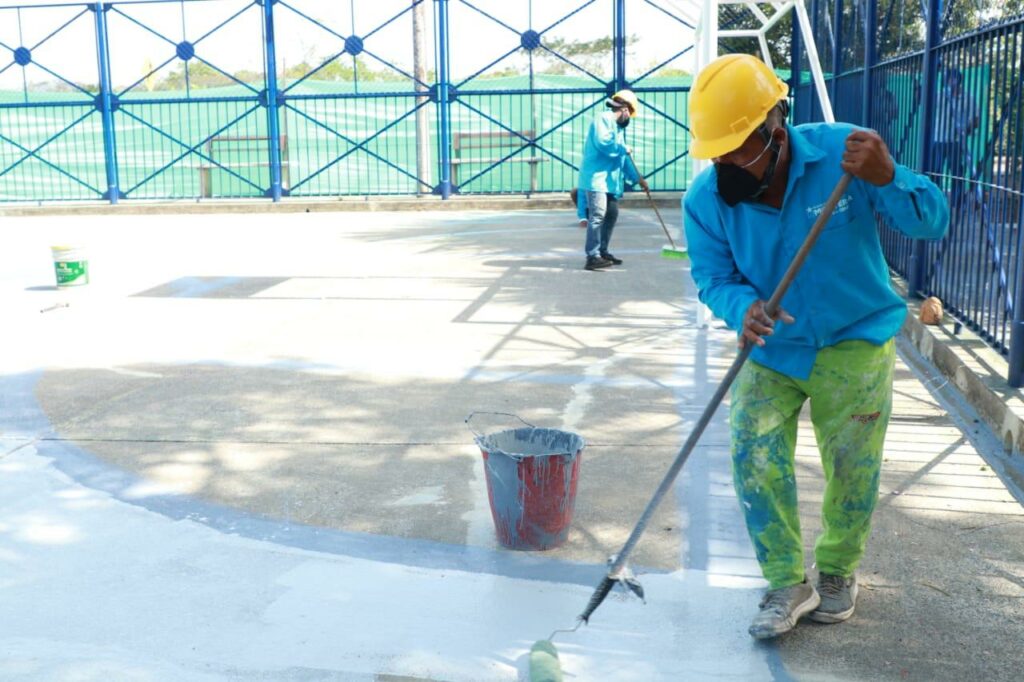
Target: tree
{"type": "Point", "coordinates": [593, 55]}
{"type": "Point", "coordinates": [779, 38]}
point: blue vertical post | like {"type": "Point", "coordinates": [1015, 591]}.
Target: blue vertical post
{"type": "Point", "coordinates": [837, 52]}
{"type": "Point", "coordinates": [1016, 375]}
{"type": "Point", "coordinates": [795, 72]}
{"type": "Point", "coordinates": [444, 187]}
{"type": "Point", "coordinates": [870, 58]}
{"type": "Point", "coordinates": [918, 264]}
{"type": "Point", "coordinates": [619, 44]}
{"type": "Point", "coordinates": [273, 122]}
{"type": "Point", "coordinates": [106, 103]}
{"type": "Point", "coordinates": [815, 12]}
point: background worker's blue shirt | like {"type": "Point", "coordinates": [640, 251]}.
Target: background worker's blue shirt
{"type": "Point", "coordinates": [739, 254]}
{"type": "Point", "coordinates": [606, 167]}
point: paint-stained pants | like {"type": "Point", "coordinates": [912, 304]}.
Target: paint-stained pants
{"type": "Point", "coordinates": [850, 389]}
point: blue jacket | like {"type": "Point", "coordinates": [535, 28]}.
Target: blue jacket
{"type": "Point", "coordinates": [739, 254]}
{"type": "Point", "coordinates": [606, 167]}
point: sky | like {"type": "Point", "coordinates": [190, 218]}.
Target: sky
{"type": "Point", "coordinates": [475, 39]}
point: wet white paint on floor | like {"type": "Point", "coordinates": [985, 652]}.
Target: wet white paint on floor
{"type": "Point", "coordinates": [95, 588]}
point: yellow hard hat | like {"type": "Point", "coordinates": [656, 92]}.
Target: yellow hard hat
{"type": "Point", "coordinates": [626, 97]}
{"type": "Point", "coordinates": [729, 100]}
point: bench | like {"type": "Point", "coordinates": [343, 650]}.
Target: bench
{"type": "Point", "coordinates": [497, 145]}
{"type": "Point", "coordinates": [235, 154]}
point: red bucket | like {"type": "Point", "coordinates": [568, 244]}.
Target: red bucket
{"type": "Point", "coordinates": [531, 478]}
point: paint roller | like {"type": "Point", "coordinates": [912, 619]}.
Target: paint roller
{"type": "Point", "coordinates": [671, 251]}
{"type": "Point", "coordinates": [544, 662]}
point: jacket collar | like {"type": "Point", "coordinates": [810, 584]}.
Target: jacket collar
{"type": "Point", "coordinates": [801, 153]}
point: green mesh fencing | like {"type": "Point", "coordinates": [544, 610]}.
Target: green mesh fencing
{"type": "Point", "coordinates": [336, 139]}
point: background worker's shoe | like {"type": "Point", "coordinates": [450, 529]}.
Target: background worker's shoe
{"type": "Point", "coordinates": [597, 263]}
{"type": "Point", "coordinates": [782, 608]}
{"type": "Point", "coordinates": [838, 598]}
{"type": "Point", "coordinates": [607, 256]}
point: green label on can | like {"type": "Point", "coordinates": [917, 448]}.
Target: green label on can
{"type": "Point", "coordinates": [72, 273]}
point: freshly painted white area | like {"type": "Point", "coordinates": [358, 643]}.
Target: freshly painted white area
{"type": "Point", "coordinates": [95, 588]}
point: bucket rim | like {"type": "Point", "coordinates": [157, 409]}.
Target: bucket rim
{"type": "Point", "coordinates": [480, 438]}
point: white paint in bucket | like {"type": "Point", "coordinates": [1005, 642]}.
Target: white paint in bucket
{"type": "Point", "coordinates": [71, 266]}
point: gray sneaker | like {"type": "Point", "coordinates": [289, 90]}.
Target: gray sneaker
{"type": "Point", "coordinates": [838, 598]}
{"type": "Point", "coordinates": [782, 608]}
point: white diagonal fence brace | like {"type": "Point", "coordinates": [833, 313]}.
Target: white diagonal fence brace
{"type": "Point", "coordinates": [708, 34]}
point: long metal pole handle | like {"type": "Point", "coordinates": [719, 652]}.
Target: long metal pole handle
{"type": "Point", "coordinates": [640, 175]}
{"type": "Point", "coordinates": [771, 307]}
{"type": "Point", "coordinates": [684, 453]}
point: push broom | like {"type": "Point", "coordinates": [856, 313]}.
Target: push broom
{"type": "Point", "coordinates": [544, 664]}
{"type": "Point", "coordinates": [671, 251]}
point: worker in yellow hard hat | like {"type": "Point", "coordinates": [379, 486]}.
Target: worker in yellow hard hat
{"type": "Point", "coordinates": [745, 217]}
{"type": "Point", "coordinates": [605, 170]}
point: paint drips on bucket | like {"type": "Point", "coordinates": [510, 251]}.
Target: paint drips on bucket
{"type": "Point", "coordinates": [531, 474]}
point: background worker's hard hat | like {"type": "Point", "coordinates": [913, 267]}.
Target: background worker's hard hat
{"type": "Point", "coordinates": [729, 100]}
{"type": "Point", "coordinates": [627, 98]}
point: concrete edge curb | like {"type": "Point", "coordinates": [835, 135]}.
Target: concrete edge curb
{"type": "Point", "coordinates": [558, 201]}
{"type": "Point", "coordinates": [978, 371]}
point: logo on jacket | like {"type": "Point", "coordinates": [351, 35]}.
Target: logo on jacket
{"type": "Point", "coordinates": [842, 207]}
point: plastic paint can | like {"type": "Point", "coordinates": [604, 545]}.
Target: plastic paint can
{"type": "Point", "coordinates": [71, 266]}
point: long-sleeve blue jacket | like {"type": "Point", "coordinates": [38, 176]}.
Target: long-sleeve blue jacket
{"type": "Point", "coordinates": [606, 166]}
{"type": "Point", "coordinates": [739, 254]}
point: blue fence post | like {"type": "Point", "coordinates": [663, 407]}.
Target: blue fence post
{"type": "Point", "coordinates": [106, 102]}
{"type": "Point", "coordinates": [870, 57]}
{"type": "Point", "coordinates": [1015, 377]}
{"type": "Point", "coordinates": [271, 93]}
{"type": "Point", "coordinates": [795, 72]}
{"type": "Point", "coordinates": [918, 256]}
{"type": "Point", "coordinates": [619, 44]}
{"type": "Point", "coordinates": [444, 187]}
{"type": "Point", "coordinates": [815, 11]}
{"type": "Point", "coordinates": [1016, 374]}
{"type": "Point", "coordinates": [837, 52]}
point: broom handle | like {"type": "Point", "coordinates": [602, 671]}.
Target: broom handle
{"type": "Point", "coordinates": [653, 205]}
{"type": "Point", "coordinates": [771, 307]}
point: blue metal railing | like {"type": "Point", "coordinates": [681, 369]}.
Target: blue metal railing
{"type": "Point", "coordinates": [951, 108]}
{"type": "Point", "coordinates": [350, 122]}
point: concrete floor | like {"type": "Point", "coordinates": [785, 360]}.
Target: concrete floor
{"type": "Point", "coordinates": [240, 453]}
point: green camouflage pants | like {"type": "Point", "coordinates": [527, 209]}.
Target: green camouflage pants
{"type": "Point", "coordinates": [850, 389]}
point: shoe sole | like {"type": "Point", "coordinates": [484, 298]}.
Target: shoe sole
{"type": "Point", "coordinates": [799, 612]}
{"type": "Point", "coordinates": [597, 267]}
{"type": "Point", "coordinates": [831, 618]}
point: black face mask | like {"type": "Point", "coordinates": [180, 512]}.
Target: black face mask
{"type": "Point", "coordinates": [622, 124]}
{"type": "Point", "coordinates": [737, 184]}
